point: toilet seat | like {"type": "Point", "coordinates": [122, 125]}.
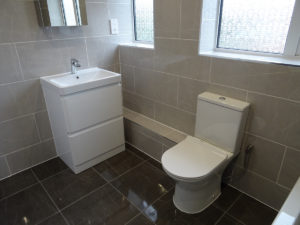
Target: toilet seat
{"type": "Point", "coordinates": [193, 159]}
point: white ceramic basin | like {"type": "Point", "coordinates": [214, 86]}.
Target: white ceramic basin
{"type": "Point", "coordinates": [68, 83]}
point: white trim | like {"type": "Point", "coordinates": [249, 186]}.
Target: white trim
{"type": "Point", "coordinates": [138, 45]}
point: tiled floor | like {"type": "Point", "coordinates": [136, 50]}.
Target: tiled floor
{"type": "Point", "coordinates": [129, 188]}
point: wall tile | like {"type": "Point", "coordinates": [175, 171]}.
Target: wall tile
{"type": "Point", "coordinates": [67, 32]}
{"type": "Point", "coordinates": [43, 125]}
{"type": "Point", "coordinates": [122, 12]}
{"type": "Point", "coordinates": [167, 18]}
{"type": "Point", "coordinates": [143, 58]}
{"type": "Point", "coordinates": [138, 104]}
{"type": "Point", "coordinates": [227, 91]}
{"type": "Point", "coordinates": [4, 171]}
{"type": "Point", "coordinates": [50, 57]}
{"type": "Point", "coordinates": [127, 77]}
{"type": "Point", "coordinates": [175, 118]}
{"type": "Point", "coordinates": [17, 133]}
{"type": "Point", "coordinates": [268, 192]}
{"type": "Point", "coordinates": [98, 20]}
{"type": "Point", "coordinates": [9, 65]}
{"type": "Point", "coordinates": [290, 169]}
{"type": "Point", "coordinates": [190, 19]}
{"type": "Point", "coordinates": [31, 156]}
{"type": "Point", "coordinates": [266, 157]}
{"type": "Point", "coordinates": [156, 85]}
{"type": "Point", "coordinates": [6, 20]}
{"type": "Point", "coordinates": [275, 119]}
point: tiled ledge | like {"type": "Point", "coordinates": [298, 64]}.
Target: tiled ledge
{"type": "Point", "coordinates": [154, 126]}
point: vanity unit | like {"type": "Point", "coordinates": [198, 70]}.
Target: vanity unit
{"type": "Point", "coordinates": [85, 111]}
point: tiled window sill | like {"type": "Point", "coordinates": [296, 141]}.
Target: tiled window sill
{"type": "Point", "coordinates": [289, 61]}
{"type": "Point", "coordinates": [155, 126]}
{"type": "Point", "coordinates": [138, 45]}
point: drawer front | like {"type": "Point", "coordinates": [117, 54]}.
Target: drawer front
{"type": "Point", "coordinates": [92, 107]}
{"type": "Point", "coordinates": [86, 145]}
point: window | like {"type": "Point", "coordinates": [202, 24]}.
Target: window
{"type": "Point", "coordinates": [143, 20]}
{"type": "Point", "coordinates": [255, 25]}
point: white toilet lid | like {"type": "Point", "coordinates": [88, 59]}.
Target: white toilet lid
{"type": "Point", "coordinates": [193, 158]}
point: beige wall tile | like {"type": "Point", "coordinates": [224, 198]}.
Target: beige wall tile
{"type": "Point", "coordinates": [290, 171]}
{"type": "Point", "coordinates": [17, 134]}
{"type": "Point", "coordinates": [138, 104]}
{"type": "Point", "coordinates": [157, 86]}
{"type": "Point", "coordinates": [9, 65]}
{"type": "Point", "coordinates": [122, 12]}
{"type": "Point", "coordinates": [175, 118]}
{"type": "Point", "coordinates": [275, 119]}
{"type": "Point", "coordinates": [167, 18]}
{"type": "Point", "coordinates": [127, 77]}
{"type": "Point", "coordinates": [190, 19]}
{"type": "Point", "coordinates": [227, 91]}
{"type": "Point", "coordinates": [43, 125]}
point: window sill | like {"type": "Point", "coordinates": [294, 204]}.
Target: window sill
{"type": "Point", "coordinates": [138, 45]}
{"type": "Point", "coordinates": [289, 61]}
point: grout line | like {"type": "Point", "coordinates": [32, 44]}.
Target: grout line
{"type": "Point", "coordinates": [17, 192]}
{"type": "Point", "coordinates": [7, 164]}
{"type": "Point", "coordinates": [133, 218]}
{"type": "Point", "coordinates": [281, 165]}
{"type": "Point", "coordinates": [264, 138]}
{"type": "Point", "coordinates": [19, 61]}
{"type": "Point", "coordinates": [48, 217]}
{"type": "Point", "coordinates": [22, 116]}
{"type": "Point", "coordinates": [86, 52]}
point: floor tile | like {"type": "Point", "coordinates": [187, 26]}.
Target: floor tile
{"type": "Point", "coordinates": [117, 165]}
{"type": "Point", "coordinates": [227, 197]}
{"type": "Point", "coordinates": [163, 212]}
{"type": "Point", "coordinates": [137, 152]}
{"type": "Point", "coordinates": [57, 219]}
{"type": "Point", "coordinates": [227, 220]}
{"type": "Point", "coordinates": [49, 168]}
{"type": "Point", "coordinates": [252, 212]}
{"type": "Point", "coordinates": [143, 185]}
{"type": "Point", "coordinates": [140, 220]}
{"type": "Point", "coordinates": [26, 207]}
{"type": "Point", "coordinates": [67, 187]}
{"type": "Point", "coordinates": [104, 206]}
{"type": "Point", "coordinates": [16, 183]}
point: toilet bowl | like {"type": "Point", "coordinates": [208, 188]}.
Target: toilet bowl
{"type": "Point", "coordinates": [197, 163]}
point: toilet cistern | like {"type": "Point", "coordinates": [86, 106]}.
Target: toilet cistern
{"type": "Point", "coordinates": [74, 65]}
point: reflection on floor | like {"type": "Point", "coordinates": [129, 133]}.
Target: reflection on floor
{"type": "Point", "coordinates": [129, 188]}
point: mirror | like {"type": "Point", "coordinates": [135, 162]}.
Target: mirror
{"type": "Point", "coordinates": [57, 13]}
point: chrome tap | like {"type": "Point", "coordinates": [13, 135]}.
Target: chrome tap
{"type": "Point", "coordinates": [74, 65]}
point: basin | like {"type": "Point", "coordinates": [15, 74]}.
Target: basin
{"type": "Point", "coordinates": [85, 112]}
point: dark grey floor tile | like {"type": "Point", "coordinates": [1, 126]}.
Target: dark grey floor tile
{"type": "Point", "coordinates": [252, 212]}
{"type": "Point", "coordinates": [117, 165]}
{"type": "Point", "coordinates": [26, 207]}
{"type": "Point", "coordinates": [163, 212]}
{"type": "Point", "coordinates": [104, 206]}
{"type": "Point", "coordinates": [228, 220]}
{"type": "Point", "coordinates": [16, 183]}
{"type": "Point", "coordinates": [137, 152]}
{"type": "Point", "coordinates": [143, 185]}
{"type": "Point", "coordinates": [67, 187]}
{"type": "Point", "coordinates": [155, 163]}
{"type": "Point", "coordinates": [227, 197]}
{"type": "Point", "coordinates": [49, 168]}
{"type": "Point", "coordinates": [57, 219]}
{"type": "Point", "coordinates": [140, 220]}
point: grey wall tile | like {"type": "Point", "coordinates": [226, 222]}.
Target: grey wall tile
{"type": "Point", "coordinates": [155, 85]}
{"type": "Point", "coordinates": [4, 171]}
{"type": "Point", "coordinates": [122, 12]}
{"type": "Point", "coordinates": [127, 77]}
{"type": "Point", "coordinates": [31, 156]}
{"type": "Point", "coordinates": [275, 119]}
{"type": "Point", "coordinates": [290, 168]}
{"type": "Point", "coordinates": [9, 65]}
{"type": "Point", "coordinates": [17, 134]}
{"type": "Point", "coordinates": [43, 125]}
{"type": "Point", "coordinates": [138, 104]}
{"type": "Point", "coordinates": [67, 32]}
{"type": "Point", "coordinates": [265, 158]}
{"type": "Point", "coordinates": [227, 91]}
{"type": "Point", "coordinates": [50, 57]}
{"type": "Point", "coordinates": [143, 57]}
{"type": "Point", "coordinates": [190, 19]}
{"type": "Point", "coordinates": [167, 18]}
{"type": "Point", "coordinates": [175, 118]}
{"type": "Point", "coordinates": [260, 188]}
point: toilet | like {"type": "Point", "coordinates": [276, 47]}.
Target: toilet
{"type": "Point", "coordinates": [197, 163]}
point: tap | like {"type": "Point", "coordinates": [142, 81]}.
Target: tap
{"type": "Point", "coordinates": [74, 65]}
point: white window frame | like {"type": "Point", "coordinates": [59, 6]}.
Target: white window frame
{"type": "Point", "coordinates": [209, 36]}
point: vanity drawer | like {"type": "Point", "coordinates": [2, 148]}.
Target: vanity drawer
{"type": "Point", "coordinates": [95, 141]}
{"type": "Point", "coordinates": [86, 109]}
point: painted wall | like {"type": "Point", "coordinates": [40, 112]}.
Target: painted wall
{"type": "Point", "coordinates": [163, 84]}
{"type": "Point", "coordinates": [28, 52]}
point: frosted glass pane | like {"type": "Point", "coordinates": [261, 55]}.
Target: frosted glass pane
{"type": "Point", "coordinates": [144, 20]}
{"type": "Point", "coordinates": [255, 25]}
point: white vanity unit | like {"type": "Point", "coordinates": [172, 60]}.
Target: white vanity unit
{"type": "Point", "coordinates": [85, 111]}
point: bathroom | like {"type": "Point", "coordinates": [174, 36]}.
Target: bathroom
{"type": "Point", "coordinates": [152, 72]}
